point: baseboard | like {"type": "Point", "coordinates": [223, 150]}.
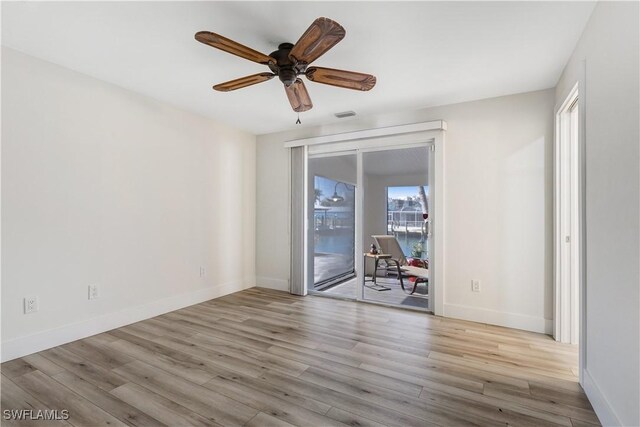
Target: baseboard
{"type": "Point", "coordinates": [270, 283]}
{"type": "Point", "coordinates": [499, 318]}
{"type": "Point", "coordinates": [600, 404]}
{"type": "Point", "coordinates": [22, 346]}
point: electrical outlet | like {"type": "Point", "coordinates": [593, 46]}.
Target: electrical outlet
{"type": "Point", "coordinates": [30, 304]}
{"type": "Point", "coordinates": [93, 291]}
{"type": "Point", "coordinates": [475, 285]}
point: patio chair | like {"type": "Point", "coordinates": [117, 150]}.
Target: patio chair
{"type": "Point", "coordinates": [388, 244]}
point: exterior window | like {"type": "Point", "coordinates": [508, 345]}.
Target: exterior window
{"type": "Point", "coordinates": [406, 216]}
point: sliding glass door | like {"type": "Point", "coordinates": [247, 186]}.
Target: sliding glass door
{"type": "Point", "coordinates": [396, 220]}
{"type": "Point", "coordinates": [332, 222]}
{"type": "Point", "coordinates": [371, 195]}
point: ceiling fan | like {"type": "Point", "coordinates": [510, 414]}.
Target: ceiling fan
{"type": "Point", "coordinates": [291, 61]}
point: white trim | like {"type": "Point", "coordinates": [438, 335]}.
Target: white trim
{"type": "Point", "coordinates": [499, 318]}
{"type": "Point", "coordinates": [582, 153]}
{"type": "Point", "coordinates": [582, 135]}
{"type": "Point", "coordinates": [22, 346]}
{"type": "Point", "coordinates": [372, 144]}
{"type": "Point", "coordinates": [436, 193]}
{"type": "Point", "coordinates": [369, 133]}
{"type": "Point", "coordinates": [324, 155]}
{"type": "Point", "coordinates": [601, 405]}
{"type": "Point", "coordinates": [268, 281]}
{"type": "Point", "coordinates": [360, 262]}
{"type": "Point", "coordinates": [307, 272]}
{"type": "Point", "coordinates": [272, 283]}
{"type": "Point", "coordinates": [567, 218]}
{"type": "Point", "coordinates": [395, 143]}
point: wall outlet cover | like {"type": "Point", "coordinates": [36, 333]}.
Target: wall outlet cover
{"type": "Point", "coordinates": [31, 304]}
{"type": "Point", "coordinates": [93, 291]}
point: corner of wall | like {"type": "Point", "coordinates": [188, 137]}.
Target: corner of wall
{"type": "Point", "coordinates": [271, 283]}
{"type": "Point", "coordinates": [603, 409]}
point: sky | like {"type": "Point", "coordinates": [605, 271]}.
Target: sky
{"type": "Point", "coordinates": [403, 192]}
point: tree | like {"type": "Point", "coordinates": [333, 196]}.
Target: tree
{"type": "Point", "coordinates": [423, 199]}
{"type": "Point", "coordinates": [317, 193]}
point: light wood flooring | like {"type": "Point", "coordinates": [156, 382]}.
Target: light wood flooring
{"type": "Point", "coordinates": [266, 358]}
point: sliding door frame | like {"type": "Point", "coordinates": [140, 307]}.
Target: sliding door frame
{"type": "Point", "coordinates": [428, 145]}
{"type": "Point", "coordinates": [309, 228]}
{"type": "Point", "coordinates": [394, 137]}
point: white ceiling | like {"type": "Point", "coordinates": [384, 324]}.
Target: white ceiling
{"type": "Point", "coordinates": [423, 53]}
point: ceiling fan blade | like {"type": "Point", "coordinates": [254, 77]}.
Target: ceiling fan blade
{"type": "Point", "coordinates": [298, 96]}
{"type": "Point", "coordinates": [243, 82]}
{"type": "Point", "coordinates": [235, 48]}
{"type": "Point", "coordinates": [321, 36]}
{"type": "Point", "coordinates": [341, 78]}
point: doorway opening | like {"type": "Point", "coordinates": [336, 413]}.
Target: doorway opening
{"type": "Point", "coordinates": [355, 199]}
{"type": "Point", "coordinates": [364, 164]}
{"type": "Point", "coordinates": [568, 221]}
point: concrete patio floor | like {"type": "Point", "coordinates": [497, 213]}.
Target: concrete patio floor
{"type": "Point", "coordinates": [395, 295]}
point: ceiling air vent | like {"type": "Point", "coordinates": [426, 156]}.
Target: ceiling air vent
{"type": "Point", "coordinates": [344, 114]}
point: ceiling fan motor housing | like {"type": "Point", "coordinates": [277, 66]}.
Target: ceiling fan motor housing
{"type": "Point", "coordinates": [285, 68]}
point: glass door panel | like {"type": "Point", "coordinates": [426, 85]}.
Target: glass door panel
{"type": "Point", "coordinates": [332, 224]}
{"type": "Point", "coordinates": [396, 210]}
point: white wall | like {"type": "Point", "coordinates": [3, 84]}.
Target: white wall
{"type": "Point", "coordinates": [609, 46]}
{"type": "Point", "coordinates": [101, 185]}
{"type": "Point", "coordinates": [498, 205]}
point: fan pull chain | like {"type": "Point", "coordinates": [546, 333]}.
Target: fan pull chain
{"type": "Point", "coordinates": [298, 122]}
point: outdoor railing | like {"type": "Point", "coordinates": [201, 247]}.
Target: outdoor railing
{"type": "Point", "coordinates": [420, 227]}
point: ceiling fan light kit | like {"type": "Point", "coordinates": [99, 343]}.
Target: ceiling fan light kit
{"type": "Point", "coordinates": [291, 61]}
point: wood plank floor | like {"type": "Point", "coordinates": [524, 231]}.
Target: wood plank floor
{"type": "Point", "coordinates": [267, 358]}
